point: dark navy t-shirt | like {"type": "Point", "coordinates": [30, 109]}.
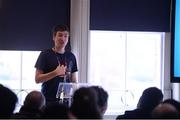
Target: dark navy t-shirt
{"type": "Point", "coordinates": [47, 62]}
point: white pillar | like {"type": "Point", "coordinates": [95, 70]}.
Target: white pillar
{"type": "Point", "coordinates": [167, 86]}
{"type": "Point", "coordinates": [79, 35]}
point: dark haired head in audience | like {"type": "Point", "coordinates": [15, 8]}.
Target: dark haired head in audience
{"type": "Point", "coordinates": [102, 98]}
{"type": "Point", "coordinates": [149, 99]}
{"type": "Point", "coordinates": [34, 104]}
{"type": "Point", "coordinates": [151, 95]}
{"type": "Point", "coordinates": [8, 100]}
{"type": "Point", "coordinates": [165, 110]}
{"type": "Point", "coordinates": [56, 111]}
{"type": "Point", "coordinates": [84, 104]}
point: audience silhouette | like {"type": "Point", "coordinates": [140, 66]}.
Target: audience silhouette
{"type": "Point", "coordinates": [84, 104]}
{"type": "Point", "coordinates": [102, 98]}
{"type": "Point", "coordinates": [150, 98]}
{"type": "Point", "coordinates": [8, 100]}
{"type": "Point", "coordinates": [34, 104]}
{"type": "Point", "coordinates": [56, 111]}
{"type": "Point", "coordinates": [87, 103]}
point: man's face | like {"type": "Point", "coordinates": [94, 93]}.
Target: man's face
{"type": "Point", "coordinates": [61, 39]}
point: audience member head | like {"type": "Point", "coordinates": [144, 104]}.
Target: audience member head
{"type": "Point", "coordinates": [173, 102]}
{"type": "Point", "coordinates": [84, 104]}
{"type": "Point", "coordinates": [56, 111]}
{"type": "Point", "coordinates": [165, 110]}
{"type": "Point", "coordinates": [35, 100]}
{"type": "Point", "coordinates": [102, 98]}
{"type": "Point", "coordinates": [150, 98]}
{"type": "Point", "coordinates": [8, 100]}
{"type": "Point", "coordinates": [34, 104]}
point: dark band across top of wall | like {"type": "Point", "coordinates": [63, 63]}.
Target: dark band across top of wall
{"type": "Point", "coordinates": [130, 15]}
{"type": "Point", "coordinates": [27, 24]}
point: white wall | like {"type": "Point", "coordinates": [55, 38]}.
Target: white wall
{"type": "Point", "coordinates": [176, 91]}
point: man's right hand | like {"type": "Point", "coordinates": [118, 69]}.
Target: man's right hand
{"type": "Point", "coordinates": [61, 70]}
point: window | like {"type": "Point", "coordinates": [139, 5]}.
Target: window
{"type": "Point", "coordinates": [125, 63]}
{"type": "Point", "coordinates": [17, 72]}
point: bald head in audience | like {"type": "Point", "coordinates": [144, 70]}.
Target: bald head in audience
{"type": "Point", "coordinates": [33, 107]}
{"type": "Point", "coordinates": [35, 99]}
{"type": "Point", "coordinates": [165, 110]}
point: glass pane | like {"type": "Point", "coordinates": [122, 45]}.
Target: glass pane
{"type": "Point", "coordinates": [107, 65]}
{"type": "Point", "coordinates": [143, 59]}
{"type": "Point", "coordinates": [107, 52]}
{"type": "Point", "coordinates": [10, 70]}
{"type": "Point", "coordinates": [28, 70]}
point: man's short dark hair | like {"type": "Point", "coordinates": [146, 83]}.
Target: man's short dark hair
{"type": "Point", "coordinates": [60, 28]}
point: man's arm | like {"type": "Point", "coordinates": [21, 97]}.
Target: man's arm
{"type": "Point", "coordinates": [41, 77]}
{"type": "Point", "coordinates": [74, 78]}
